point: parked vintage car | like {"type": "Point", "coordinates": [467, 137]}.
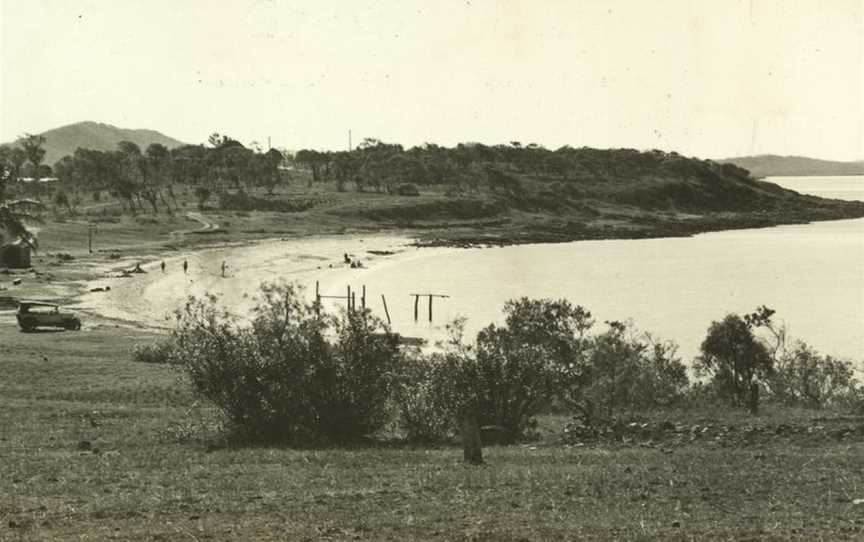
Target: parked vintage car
{"type": "Point", "coordinates": [33, 314]}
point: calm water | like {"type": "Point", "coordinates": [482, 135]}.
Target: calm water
{"type": "Point", "coordinates": [813, 275]}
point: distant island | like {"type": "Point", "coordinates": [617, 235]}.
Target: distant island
{"type": "Point", "coordinates": [772, 165]}
{"type": "Point", "coordinates": [63, 141]}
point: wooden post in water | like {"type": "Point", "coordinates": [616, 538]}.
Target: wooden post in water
{"type": "Point", "coordinates": [317, 297]}
{"type": "Point", "coordinates": [386, 312]}
{"type": "Point", "coordinates": [363, 298]}
{"type": "Point", "coordinates": [417, 303]}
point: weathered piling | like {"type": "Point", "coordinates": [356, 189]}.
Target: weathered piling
{"type": "Point", "coordinates": [417, 304]}
{"type": "Point", "coordinates": [386, 312]}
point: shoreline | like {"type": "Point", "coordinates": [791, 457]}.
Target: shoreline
{"type": "Point", "coordinates": [103, 268]}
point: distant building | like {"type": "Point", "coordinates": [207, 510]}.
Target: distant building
{"type": "Point", "coordinates": [15, 255]}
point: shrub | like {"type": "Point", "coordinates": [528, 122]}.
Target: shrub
{"type": "Point", "coordinates": [804, 377]}
{"type": "Point", "coordinates": [160, 351]}
{"type": "Point", "coordinates": [543, 355]}
{"type": "Point", "coordinates": [350, 388]}
{"type": "Point", "coordinates": [407, 189]}
{"type": "Point", "coordinates": [514, 372]}
{"type": "Point", "coordinates": [625, 372]}
{"type": "Point", "coordinates": [294, 374]}
{"type": "Point", "coordinates": [425, 398]}
{"type": "Point", "coordinates": [801, 376]}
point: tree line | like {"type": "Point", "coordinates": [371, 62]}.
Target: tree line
{"type": "Point", "coordinates": [384, 166]}
{"type": "Point", "coordinates": [141, 179]}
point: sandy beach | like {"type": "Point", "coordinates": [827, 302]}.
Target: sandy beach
{"type": "Point", "coordinates": [150, 298]}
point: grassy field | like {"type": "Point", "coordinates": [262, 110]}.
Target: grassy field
{"type": "Point", "coordinates": [97, 447]}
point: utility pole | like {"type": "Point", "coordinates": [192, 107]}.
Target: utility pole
{"type": "Point", "coordinates": [349, 139]}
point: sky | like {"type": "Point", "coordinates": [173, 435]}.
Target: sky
{"type": "Point", "coordinates": [704, 78]}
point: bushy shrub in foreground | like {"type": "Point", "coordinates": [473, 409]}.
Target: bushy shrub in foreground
{"type": "Point", "coordinates": [294, 374]}
{"type": "Point", "coordinates": [542, 355]}
{"type": "Point", "coordinates": [625, 372]}
{"type": "Point", "coordinates": [803, 377]}
{"type": "Point", "coordinates": [523, 366]}
{"type": "Point", "coordinates": [425, 397]}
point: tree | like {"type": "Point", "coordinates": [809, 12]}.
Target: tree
{"type": "Point", "coordinates": [15, 216]}
{"type": "Point", "coordinates": [129, 179]}
{"type": "Point", "coordinates": [62, 200]}
{"type": "Point", "coordinates": [32, 145]}
{"type": "Point", "coordinates": [267, 169]}
{"type": "Point", "coordinates": [737, 361]}
{"type": "Point", "coordinates": [310, 159]}
{"type": "Point", "coordinates": [202, 194]}
{"type": "Point", "coordinates": [6, 169]}
{"type": "Point", "coordinates": [157, 174]}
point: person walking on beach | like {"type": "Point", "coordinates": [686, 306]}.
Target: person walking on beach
{"type": "Point", "coordinates": [224, 265]}
{"type": "Point", "coordinates": [163, 266]}
{"type": "Point", "coordinates": [185, 266]}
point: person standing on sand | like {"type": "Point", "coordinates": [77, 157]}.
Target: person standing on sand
{"type": "Point", "coordinates": [224, 265]}
{"type": "Point", "coordinates": [163, 266]}
{"type": "Point", "coordinates": [185, 266]}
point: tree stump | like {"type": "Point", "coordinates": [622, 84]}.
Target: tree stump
{"type": "Point", "coordinates": [472, 448]}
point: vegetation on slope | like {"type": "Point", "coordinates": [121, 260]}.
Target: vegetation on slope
{"type": "Point", "coordinates": [468, 194]}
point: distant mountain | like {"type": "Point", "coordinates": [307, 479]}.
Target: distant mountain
{"type": "Point", "coordinates": [62, 141]}
{"type": "Point", "coordinates": [771, 165]}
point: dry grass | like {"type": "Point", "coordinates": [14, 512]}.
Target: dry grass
{"type": "Point", "coordinates": [156, 471]}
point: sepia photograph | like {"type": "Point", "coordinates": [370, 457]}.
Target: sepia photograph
{"type": "Point", "coordinates": [469, 270]}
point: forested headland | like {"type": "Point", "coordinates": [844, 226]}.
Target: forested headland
{"type": "Point", "coordinates": [467, 194]}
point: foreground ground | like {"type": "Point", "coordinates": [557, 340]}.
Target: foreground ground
{"type": "Point", "coordinates": [97, 447]}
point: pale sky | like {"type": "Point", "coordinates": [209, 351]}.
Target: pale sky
{"type": "Point", "coordinates": [706, 78]}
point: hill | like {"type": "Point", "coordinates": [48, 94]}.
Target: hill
{"type": "Point", "coordinates": [476, 194]}
{"type": "Point", "coordinates": [464, 195]}
{"type": "Point", "coordinates": [768, 165]}
{"type": "Point", "coordinates": [63, 141]}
